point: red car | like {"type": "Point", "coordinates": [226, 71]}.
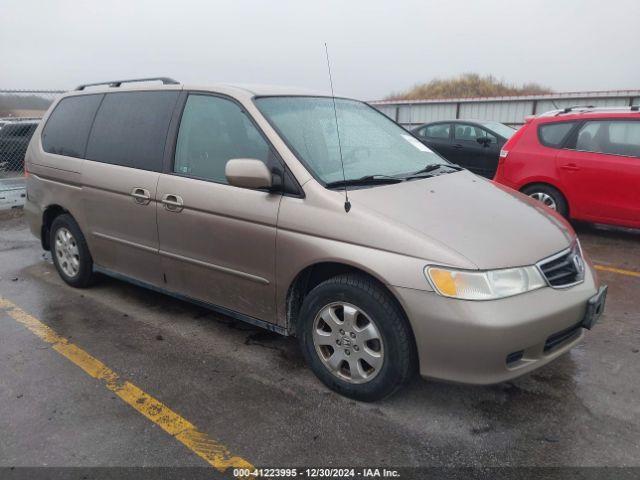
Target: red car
{"type": "Point", "coordinates": [582, 162]}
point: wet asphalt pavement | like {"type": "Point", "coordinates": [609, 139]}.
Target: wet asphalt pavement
{"type": "Point", "coordinates": [250, 389]}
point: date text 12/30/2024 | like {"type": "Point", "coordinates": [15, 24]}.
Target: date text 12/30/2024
{"type": "Point", "coordinates": [347, 473]}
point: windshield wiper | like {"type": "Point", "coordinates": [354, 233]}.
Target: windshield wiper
{"type": "Point", "coordinates": [430, 168]}
{"type": "Point", "coordinates": [366, 180]}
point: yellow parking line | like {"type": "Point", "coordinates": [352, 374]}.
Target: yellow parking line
{"type": "Point", "coordinates": [200, 443]}
{"type": "Point", "coordinates": [628, 273]}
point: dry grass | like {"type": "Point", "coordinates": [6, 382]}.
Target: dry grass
{"type": "Point", "coordinates": [467, 85]}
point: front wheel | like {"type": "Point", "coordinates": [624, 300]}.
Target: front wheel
{"type": "Point", "coordinates": [355, 338]}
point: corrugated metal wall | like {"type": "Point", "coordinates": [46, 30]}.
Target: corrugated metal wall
{"type": "Point", "coordinates": [546, 105]}
{"type": "Point", "coordinates": [508, 110]}
{"type": "Point", "coordinates": [504, 112]}
{"type": "Point", "coordinates": [427, 113]}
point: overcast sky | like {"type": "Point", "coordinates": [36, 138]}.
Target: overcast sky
{"type": "Point", "coordinates": [376, 47]}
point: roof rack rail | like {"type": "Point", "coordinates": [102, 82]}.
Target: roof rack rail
{"type": "Point", "coordinates": [591, 108]}
{"type": "Point", "coordinates": [588, 109]}
{"type": "Point", "coordinates": [117, 83]}
{"type": "Point", "coordinates": [575, 107]}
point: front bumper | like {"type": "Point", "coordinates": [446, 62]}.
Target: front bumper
{"type": "Point", "coordinates": [486, 342]}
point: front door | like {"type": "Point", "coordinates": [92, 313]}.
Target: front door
{"type": "Point", "coordinates": [475, 149]}
{"type": "Point", "coordinates": [600, 171]}
{"type": "Point", "coordinates": [217, 242]}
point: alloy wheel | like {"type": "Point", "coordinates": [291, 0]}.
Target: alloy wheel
{"type": "Point", "coordinates": [348, 342]}
{"type": "Point", "coordinates": [67, 253]}
{"type": "Point", "coordinates": [545, 198]}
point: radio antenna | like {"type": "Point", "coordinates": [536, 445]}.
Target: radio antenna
{"type": "Point", "coordinates": [347, 204]}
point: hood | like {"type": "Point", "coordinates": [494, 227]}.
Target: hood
{"type": "Point", "coordinates": [490, 225]}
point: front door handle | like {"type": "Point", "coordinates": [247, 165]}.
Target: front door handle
{"type": "Point", "coordinates": [457, 145]}
{"type": "Point", "coordinates": [172, 203]}
{"type": "Point", "coordinates": [571, 167]}
{"type": "Point", "coordinates": [141, 196]}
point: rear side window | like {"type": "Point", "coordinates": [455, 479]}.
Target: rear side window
{"type": "Point", "coordinates": [554, 134]}
{"type": "Point", "coordinates": [130, 129]}
{"type": "Point", "coordinates": [68, 126]}
{"type": "Point", "coordinates": [440, 130]}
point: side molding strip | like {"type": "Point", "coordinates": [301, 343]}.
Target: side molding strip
{"type": "Point", "coordinates": [125, 242]}
{"type": "Point", "coordinates": [272, 327]}
{"type": "Point", "coordinates": [212, 266]}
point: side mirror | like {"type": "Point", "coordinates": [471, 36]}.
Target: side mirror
{"type": "Point", "coordinates": [248, 173]}
{"type": "Point", "coordinates": [484, 141]}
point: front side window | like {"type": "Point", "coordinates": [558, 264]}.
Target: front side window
{"type": "Point", "coordinates": [214, 130]}
{"type": "Point", "coordinates": [501, 129]}
{"type": "Point", "coordinates": [610, 137]}
{"type": "Point", "coordinates": [371, 143]}
{"type": "Point", "coordinates": [472, 133]}
{"type": "Point", "coordinates": [490, 138]}
{"type": "Point", "coordinates": [623, 132]}
{"type": "Point", "coordinates": [554, 134]}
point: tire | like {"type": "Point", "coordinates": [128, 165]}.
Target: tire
{"type": "Point", "coordinates": [71, 255]}
{"type": "Point", "coordinates": [333, 349]}
{"type": "Point", "coordinates": [549, 196]}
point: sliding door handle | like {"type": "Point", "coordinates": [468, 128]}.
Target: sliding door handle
{"type": "Point", "coordinates": [141, 195]}
{"type": "Point", "coordinates": [172, 202]}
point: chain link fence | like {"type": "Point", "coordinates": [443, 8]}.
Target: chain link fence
{"type": "Point", "coordinates": [20, 114]}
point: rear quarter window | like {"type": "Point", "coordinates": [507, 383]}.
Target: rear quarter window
{"type": "Point", "coordinates": [554, 134]}
{"type": "Point", "coordinates": [130, 129]}
{"type": "Point", "coordinates": [68, 126]}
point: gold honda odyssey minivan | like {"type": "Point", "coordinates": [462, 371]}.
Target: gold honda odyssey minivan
{"type": "Point", "coordinates": [311, 216]}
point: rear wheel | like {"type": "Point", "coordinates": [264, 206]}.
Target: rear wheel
{"type": "Point", "coordinates": [549, 196]}
{"type": "Point", "coordinates": [355, 338]}
{"type": "Point", "coordinates": [70, 252]}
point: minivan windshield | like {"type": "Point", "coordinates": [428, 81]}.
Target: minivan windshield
{"type": "Point", "coordinates": [372, 145]}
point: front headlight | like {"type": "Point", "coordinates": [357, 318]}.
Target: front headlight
{"type": "Point", "coordinates": [488, 285]}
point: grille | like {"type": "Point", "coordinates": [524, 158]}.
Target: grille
{"type": "Point", "coordinates": [561, 337]}
{"type": "Point", "coordinates": [564, 269]}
